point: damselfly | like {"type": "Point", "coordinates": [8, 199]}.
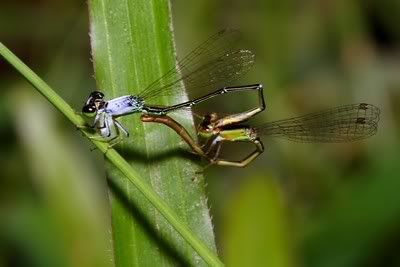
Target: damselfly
{"type": "Point", "coordinates": [336, 125]}
{"type": "Point", "coordinates": [213, 63]}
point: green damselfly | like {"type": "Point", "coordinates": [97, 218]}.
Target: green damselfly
{"type": "Point", "coordinates": [340, 124]}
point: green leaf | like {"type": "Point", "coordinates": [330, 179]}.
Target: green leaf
{"type": "Point", "coordinates": [132, 45]}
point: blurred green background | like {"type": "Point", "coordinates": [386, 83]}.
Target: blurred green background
{"type": "Point", "coordinates": [296, 205]}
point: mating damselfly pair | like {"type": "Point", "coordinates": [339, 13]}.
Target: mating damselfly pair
{"type": "Point", "coordinates": [213, 64]}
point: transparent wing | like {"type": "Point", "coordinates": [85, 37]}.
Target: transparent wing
{"type": "Point", "coordinates": [212, 63]}
{"type": "Point", "coordinates": [340, 124]}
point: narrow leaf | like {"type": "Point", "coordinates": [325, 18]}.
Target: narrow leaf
{"type": "Point", "coordinates": [132, 45]}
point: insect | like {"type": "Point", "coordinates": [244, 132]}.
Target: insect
{"type": "Point", "coordinates": [209, 65]}
{"type": "Point", "coordinates": [336, 125]}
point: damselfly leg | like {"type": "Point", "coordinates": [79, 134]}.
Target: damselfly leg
{"type": "Point", "coordinates": [111, 130]}
{"type": "Point", "coordinates": [211, 152]}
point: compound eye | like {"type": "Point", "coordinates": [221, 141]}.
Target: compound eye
{"type": "Point", "coordinates": [89, 110]}
{"type": "Point", "coordinates": [96, 95]}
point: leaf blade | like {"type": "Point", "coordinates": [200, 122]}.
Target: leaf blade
{"type": "Point", "coordinates": [132, 45]}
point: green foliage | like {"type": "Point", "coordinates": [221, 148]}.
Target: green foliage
{"type": "Point", "coordinates": [310, 204]}
{"type": "Point", "coordinates": [180, 251]}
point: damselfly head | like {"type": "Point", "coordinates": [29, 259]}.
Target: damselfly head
{"type": "Point", "coordinates": [95, 96]}
{"type": "Point", "coordinates": [89, 110]}
{"type": "Point", "coordinates": [94, 102]}
{"type": "Point", "coordinates": [207, 124]}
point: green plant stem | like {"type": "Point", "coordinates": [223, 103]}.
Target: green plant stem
{"type": "Point", "coordinates": [114, 157]}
